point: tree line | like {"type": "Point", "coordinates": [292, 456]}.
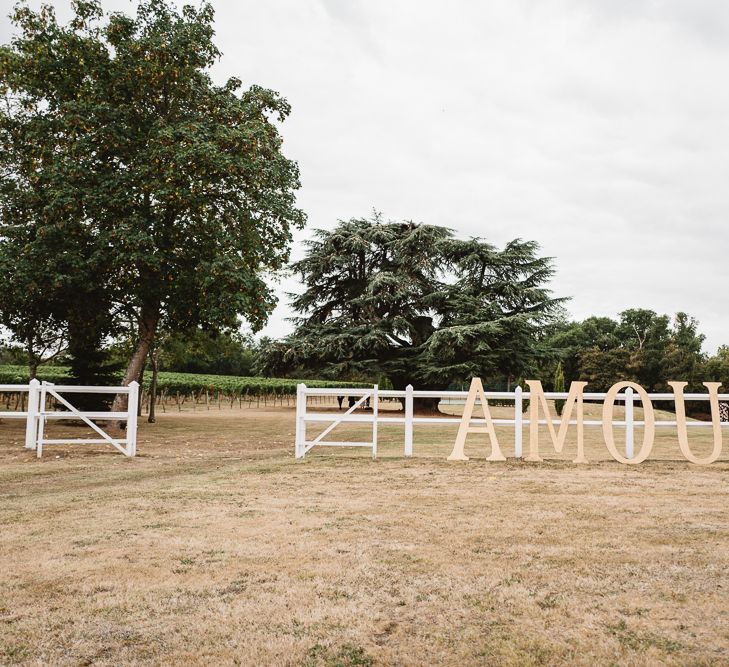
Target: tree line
{"type": "Point", "coordinates": [416, 305]}
{"type": "Point", "coordinates": [194, 351]}
{"type": "Point", "coordinates": [639, 345]}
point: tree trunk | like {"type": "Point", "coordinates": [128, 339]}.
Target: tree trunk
{"type": "Point", "coordinates": [32, 360]}
{"type": "Point", "coordinates": [152, 418]}
{"type": "Point", "coordinates": [421, 404]}
{"type": "Point", "coordinates": [140, 380]}
{"type": "Point", "coordinates": [147, 327]}
{"type": "Point", "coordinates": [424, 404]}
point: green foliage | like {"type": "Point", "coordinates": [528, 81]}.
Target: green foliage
{"type": "Point", "coordinates": [47, 249]}
{"type": "Point", "coordinates": [31, 305]}
{"type": "Point", "coordinates": [717, 367]}
{"type": "Point", "coordinates": [199, 351]}
{"type": "Point", "coordinates": [88, 360]}
{"type": "Point", "coordinates": [601, 370]}
{"type": "Point", "coordinates": [640, 345]}
{"type": "Point", "coordinates": [415, 304]}
{"type": "Point", "coordinates": [123, 165]}
{"type": "Point", "coordinates": [19, 374]}
{"type": "Point", "coordinates": [185, 383]}
{"type": "Point", "coordinates": [11, 355]}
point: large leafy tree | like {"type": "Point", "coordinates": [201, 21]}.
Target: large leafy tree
{"type": "Point", "coordinates": [569, 340]}
{"type": "Point", "coordinates": [179, 185]}
{"type": "Point", "coordinates": [199, 351]}
{"type": "Point", "coordinates": [684, 357]}
{"type": "Point", "coordinates": [640, 345]}
{"type": "Point", "coordinates": [41, 274]}
{"type": "Point", "coordinates": [417, 305]}
{"type": "Point", "coordinates": [27, 309]}
{"type": "Point", "coordinates": [717, 367]}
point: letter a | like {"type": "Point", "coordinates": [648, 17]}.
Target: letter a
{"type": "Point", "coordinates": [465, 428]}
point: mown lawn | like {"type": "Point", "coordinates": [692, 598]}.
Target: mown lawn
{"type": "Point", "coordinates": [214, 546]}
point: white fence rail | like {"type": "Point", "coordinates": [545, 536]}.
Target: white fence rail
{"type": "Point", "coordinates": [408, 419]}
{"type": "Point", "coordinates": [37, 414]}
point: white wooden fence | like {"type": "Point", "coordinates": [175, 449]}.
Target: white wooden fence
{"type": "Point", "coordinates": [37, 414]}
{"type": "Point", "coordinates": [406, 417]}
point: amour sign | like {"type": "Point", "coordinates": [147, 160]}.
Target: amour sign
{"type": "Point", "coordinates": [574, 404]}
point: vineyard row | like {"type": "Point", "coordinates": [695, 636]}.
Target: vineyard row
{"type": "Point", "coordinates": [172, 384]}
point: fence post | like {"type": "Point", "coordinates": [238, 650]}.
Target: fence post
{"type": "Point", "coordinates": [374, 421]}
{"type": "Point", "coordinates": [518, 411]}
{"type": "Point", "coordinates": [300, 423]}
{"type": "Point", "coordinates": [409, 420]}
{"type": "Point", "coordinates": [132, 406]}
{"type": "Point", "coordinates": [41, 421]}
{"type": "Point", "coordinates": [31, 422]}
{"type": "Point", "coordinates": [629, 423]}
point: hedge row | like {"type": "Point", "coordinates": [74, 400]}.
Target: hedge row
{"type": "Point", "coordinates": [186, 383]}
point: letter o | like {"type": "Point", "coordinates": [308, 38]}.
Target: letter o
{"type": "Point", "coordinates": [649, 429]}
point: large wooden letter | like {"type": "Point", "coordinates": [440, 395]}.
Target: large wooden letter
{"type": "Point", "coordinates": [465, 428]}
{"type": "Point", "coordinates": [713, 388]}
{"type": "Point", "coordinates": [649, 420]}
{"type": "Point", "coordinates": [536, 397]}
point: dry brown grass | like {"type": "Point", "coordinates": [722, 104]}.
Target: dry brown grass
{"type": "Point", "coordinates": [214, 546]}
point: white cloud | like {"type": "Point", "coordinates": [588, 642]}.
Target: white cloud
{"type": "Point", "coordinates": [596, 127]}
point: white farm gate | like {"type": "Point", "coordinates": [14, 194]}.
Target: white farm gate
{"type": "Point", "coordinates": [304, 416]}
{"type": "Point", "coordinates": [38, 413]}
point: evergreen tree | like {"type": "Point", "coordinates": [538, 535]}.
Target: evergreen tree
{"type": "Point", "coordinates": [415, 304]}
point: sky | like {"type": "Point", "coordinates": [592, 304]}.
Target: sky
{"type": "Point", "coordinates": [599, 128]}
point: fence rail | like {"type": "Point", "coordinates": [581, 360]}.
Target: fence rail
{"type": "Point", "coordinates": [408, 419]}
{"type": "Point", "coordinates": [42, 395]}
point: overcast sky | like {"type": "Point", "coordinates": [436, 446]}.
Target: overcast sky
{"type": "Point", "coordinates": [598, 128]}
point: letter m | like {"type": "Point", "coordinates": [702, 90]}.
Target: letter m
{"type": "Point", "coordinates": [538, 400]}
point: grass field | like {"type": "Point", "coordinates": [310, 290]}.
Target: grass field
{"type": "Point", "coordinates": [214, 546]}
